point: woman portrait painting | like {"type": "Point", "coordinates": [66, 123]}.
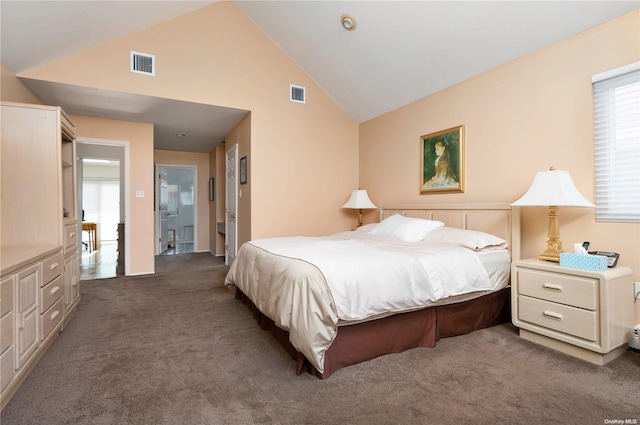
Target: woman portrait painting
{"type": "Point", "coordinates": [441, 161]}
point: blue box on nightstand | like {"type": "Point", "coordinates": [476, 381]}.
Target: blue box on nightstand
{"type": "Point", "coordinates": [584, 262]}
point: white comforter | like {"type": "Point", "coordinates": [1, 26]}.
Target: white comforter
{"type": "Point", "coordinates": [347, 279]}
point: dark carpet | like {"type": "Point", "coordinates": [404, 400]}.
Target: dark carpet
{"type": "Point", "coordinates": [177, 348]}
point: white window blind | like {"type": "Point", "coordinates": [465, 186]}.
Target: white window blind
{"type": "Point", "coordinates": [616, 103]}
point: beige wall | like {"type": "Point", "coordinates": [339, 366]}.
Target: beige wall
{"type": "Point", "coordinates": [12, 89]}
{"type": "Point", "coordinates": [519, 119]}
{"type": "Point", "coordinates": [201, 162]}
{"type": "Point", "coordinates": [139, 139]}
{"type": "Point", "coordinates": [304, 157]}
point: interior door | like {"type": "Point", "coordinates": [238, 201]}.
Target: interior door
{"type": "Point", "coordinates": [162, 210]}
{"type": "Point", "coordinates": [231, 230]}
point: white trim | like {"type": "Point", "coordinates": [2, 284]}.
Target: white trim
{"type": "Point", "coordinates": [127, 183]}
{"type": "Point", "coordinates": [615, 72]}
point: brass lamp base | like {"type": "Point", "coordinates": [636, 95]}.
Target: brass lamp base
{"type": "Point", "coordinates": [554, 245]}
{"type": "Point", "coordinates": [550, 256]}
{"type": "Point", "coordinates": [359, 217]}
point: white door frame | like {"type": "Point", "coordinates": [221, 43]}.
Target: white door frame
{"type": "Point", "coordinates": [231, 205]}
{"type": "Point", "coordinates": [161, 233]}
{"type": "Point", "coordinates": [125, 185]}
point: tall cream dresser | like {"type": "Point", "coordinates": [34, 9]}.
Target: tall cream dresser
{"type": "Point", "coordinates": [586, 314]}
{"type": "Point", "coordinates": [39, 251]}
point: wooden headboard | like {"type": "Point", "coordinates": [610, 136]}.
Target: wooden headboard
{"type": "Point", "coordinates": [498, 219]}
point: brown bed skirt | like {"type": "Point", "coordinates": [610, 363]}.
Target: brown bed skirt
{"type": "Point", "coordinates": [394, 334]}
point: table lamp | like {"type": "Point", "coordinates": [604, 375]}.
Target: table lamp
{"type": "Point", "coordinates": [553, 189]}
{"type": "Point", "coordinates": [359, 200]}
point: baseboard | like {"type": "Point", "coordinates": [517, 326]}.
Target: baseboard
{"type": "Point", "coordinates": [572, 350]}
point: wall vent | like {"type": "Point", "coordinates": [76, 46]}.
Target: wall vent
{"type": "Point", "coordinates": [297, 94]}
{"type": "Point", "coordinates": [143, 63]}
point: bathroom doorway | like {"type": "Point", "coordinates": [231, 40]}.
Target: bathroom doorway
{"type": "Point", "coordinates": [178, 209]}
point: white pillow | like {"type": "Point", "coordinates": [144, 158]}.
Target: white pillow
{"type": "Point", "coordinates": [407, 229]}
{"type": "Point", "coordinates": [472, 239]}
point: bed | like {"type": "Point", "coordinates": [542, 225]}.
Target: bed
{"type": "Point", "coordinates": [329, 314]}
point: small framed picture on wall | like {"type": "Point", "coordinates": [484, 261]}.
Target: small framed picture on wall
{"type": "Point", "coordinates": [243, 170]}
{"type": "Point", "coordinates": [212, 189]}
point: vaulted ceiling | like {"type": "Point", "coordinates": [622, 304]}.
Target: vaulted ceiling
{"type": "Point", "coordinates": [399, 52]}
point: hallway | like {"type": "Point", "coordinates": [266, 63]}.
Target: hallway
{"type": "Point", "coordinates": [101, 264]}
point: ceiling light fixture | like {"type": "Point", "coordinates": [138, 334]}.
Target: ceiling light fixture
{"type": "Point", "coordinates": [181, 135]}
{"type": "Point", "coordinates": [348, 22]}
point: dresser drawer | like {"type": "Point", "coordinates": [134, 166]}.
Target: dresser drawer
{"type": "Point", "coordinates": [70, 236]}
{"type": "Point", "coordinates": [7, 369]}
{"type": "Point", "coordinates": [559, 317]}
{"type": "Point", "coordinates": [6, 332]}
{"type": "Point", "coordinates": [52, 268]}
{"type": "Point", "coordinates": [575, 291]}
{"type": "Point", "coordinates": [51, 293]}
{"type": "Point", "coordinates": [52, 318]}
{"type": "Point", "coordinates": [6, 296]}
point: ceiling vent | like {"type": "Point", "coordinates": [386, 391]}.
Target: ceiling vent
{"type": "Point", "coordinates": [143, 63]}
{"type": "Point", "coordinates": [297, 94]}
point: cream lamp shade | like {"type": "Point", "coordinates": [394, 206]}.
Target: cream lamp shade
{"type": "Point", "coordinates": [553, 189]}
{"type": "Point", "coordinates": [359, 200]}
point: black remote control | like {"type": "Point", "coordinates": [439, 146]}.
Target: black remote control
{"type": "Point", "coordinates": [612, 257]}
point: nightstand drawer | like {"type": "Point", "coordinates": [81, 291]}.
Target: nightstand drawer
{"type": "Point", "coordinates": [565, 289]}
{"type": "Point", "coordinates": [559, 317]}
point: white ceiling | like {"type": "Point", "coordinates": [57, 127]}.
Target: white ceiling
{"type": "Point", "coordinates": [401, 51]}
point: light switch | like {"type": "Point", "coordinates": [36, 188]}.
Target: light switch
{"type": "Point", "coordinates": [139, 193]}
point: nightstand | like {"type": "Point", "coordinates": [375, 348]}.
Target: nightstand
{"type": "Point", "coordinates": [583, 313]}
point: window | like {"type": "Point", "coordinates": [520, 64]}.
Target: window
{"type": "Point", "coordinates": [616, 104]}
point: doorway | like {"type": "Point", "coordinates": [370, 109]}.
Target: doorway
{"type": "Point", "coordinates": [176, 209]}
{"type": "Point", "coordinates": [101, 204]}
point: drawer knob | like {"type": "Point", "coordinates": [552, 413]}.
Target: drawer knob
{"type": "Point", "coordinates": [54, 290]}
{"type": "Point", "coordinates": [552, 315]}
{"type": "Point", "coordinates": [552, 287]}
{"type": "Point", "coordinates": [54, 266]}
{"type": "Point", "coordinates": [54, 315]}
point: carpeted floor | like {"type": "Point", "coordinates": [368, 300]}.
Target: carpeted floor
{"type": "Point", "coordinates": [177, 348]}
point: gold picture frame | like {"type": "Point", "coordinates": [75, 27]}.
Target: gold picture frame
{"type": "Point", "coordinates": [442, 161]}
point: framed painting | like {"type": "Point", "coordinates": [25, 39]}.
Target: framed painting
{"type": "Point", "coordinates": [243, 170]}
{"type": "Point", "coordinates": [212, 189]}
{"type": "Point", "coordinates": [442, 161]}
